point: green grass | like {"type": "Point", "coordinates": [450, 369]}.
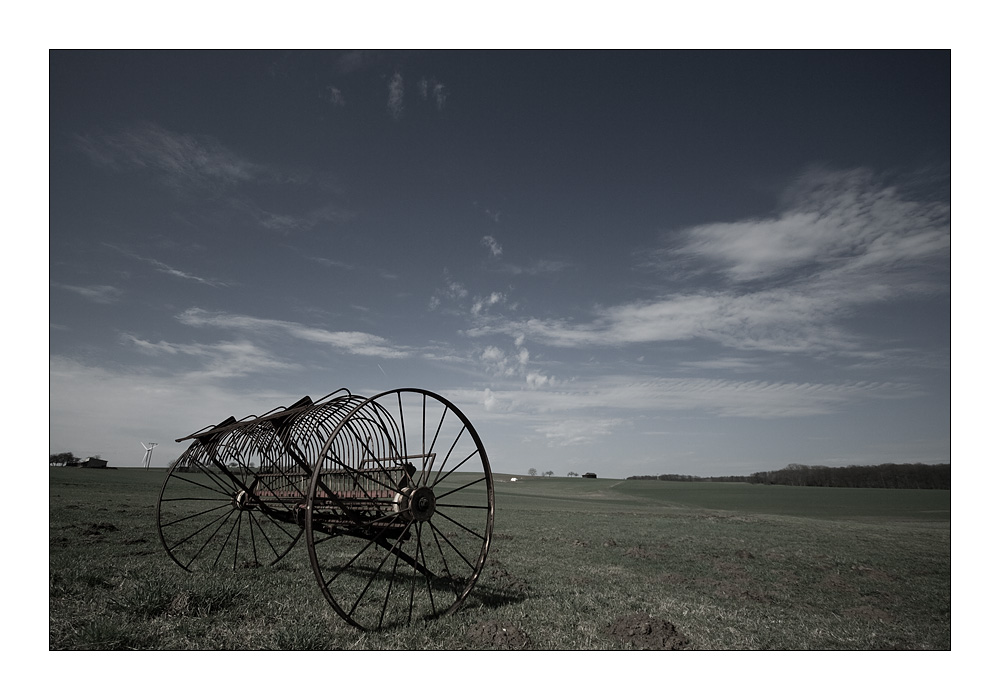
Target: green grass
{"type": "Point", "coordinates": [732, 566]}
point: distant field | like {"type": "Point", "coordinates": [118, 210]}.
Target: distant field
{"type": "Point", "coordinates": [575, 564]}
{"type": "Point", "coordinates": [804, 501]}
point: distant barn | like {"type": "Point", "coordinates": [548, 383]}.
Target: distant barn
{"type": "Point", "coordinates": [590, 475]}
{"type": "Point", "coordinates": [94, 463]}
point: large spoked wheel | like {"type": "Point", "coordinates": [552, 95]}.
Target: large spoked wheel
{"type": "Point", "coordinates": [212, 516]}
{"type": "Point", "coordinates": [400, 511]}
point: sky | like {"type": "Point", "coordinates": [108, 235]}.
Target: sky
{"type": "Point", "coordinates": [627, 263]}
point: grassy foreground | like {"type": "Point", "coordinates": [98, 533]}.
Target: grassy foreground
{"type": "Point", "coordinates": [729, 566]}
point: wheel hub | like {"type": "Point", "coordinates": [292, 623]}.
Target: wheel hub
{"type": "Point", "coordinates": [241, 500]}
{"type": "Point", "coordinates": [417, 504]}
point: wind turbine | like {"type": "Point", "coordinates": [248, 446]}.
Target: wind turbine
{"type": "Point", "coordinates": [149, 453]}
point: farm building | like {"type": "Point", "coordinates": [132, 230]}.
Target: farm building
{"type": "Point", "coordinates": [94, 463]}
{"type": "Point", "coordinates": [590, 475]}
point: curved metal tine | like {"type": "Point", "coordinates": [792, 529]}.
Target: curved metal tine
{"type": "Point", "coordinates": [212, 452]}
{"type": "Point", "coordinates": [195, 453]}
{"type": "Point", "coordinates": [384, 420]}
{"type": "Point", "coordinates": [375, 459]}
{"type": "Point", "coordinates": [324, 398]}
{"type": "Point", "coordinates": [335, 458]}
{"type": "Point", "coordinates": [266, 447]}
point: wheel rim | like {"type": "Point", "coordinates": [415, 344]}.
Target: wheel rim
{"type": "Point", "coordinates": [236, 498]}
{"type": "Point", "coordinates": [212, 517]}
{"type": "Point", "coordinates": [400, 510]}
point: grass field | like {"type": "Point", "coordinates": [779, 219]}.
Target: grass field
{"type": "Point", "coordinates": [576, 564]}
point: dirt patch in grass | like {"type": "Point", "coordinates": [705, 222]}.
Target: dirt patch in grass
{"type": "Point", "coordinates": [506, 581]}
{"type": "Point", "coordinates": [494, 634]}
{"type": "Point", "coordinates": [647, 633]}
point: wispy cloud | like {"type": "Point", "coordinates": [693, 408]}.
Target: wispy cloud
{"type": "Point", "coordinates": [355, 267]}
{"type": "Point", "coordinates": [434, 89]}
{"type": "Point", "coordinates": [221, 360]}
{"type": "Point", "coordinates": [182, 160]}
{"type": "Point", "coordinates": [291, 223]}
{"type": "Point", "coordinates": [335, 96]}
{"type": "Point", "coordinates": [496, 250]}
{"type": "Point", "coordinates": [97, 293]}
{"type": "Point", "coordinates": [453, 291]}
{"type": "Point", "coordinates": [788, 283]}
{"type": "Point", "coordinates": [582, 410]}
{"type": "Point", "coordinates": [844, 222]}
{"type": "Point", "coordinates": [537, 267]}
{"type": "Point", "coordinates": [632, 395]}
{"type": "Point", "coordinates": [395, 103]}
{"type": "Point", "coordinates": [502, 364]}
{"type": "Point", "coordinates": [482, 304]}
{"type": "Point", "coordinates": [440, 95]}
{"type": "Point", "coordinates": [167, 269]}
{"type": "Point", "coordinates": [350, 342]}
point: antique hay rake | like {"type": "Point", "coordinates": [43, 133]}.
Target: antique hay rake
{"type": "Point", "coordinates": [394, 494]}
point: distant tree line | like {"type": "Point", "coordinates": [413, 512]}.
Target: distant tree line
{"type": "Point", "coordinates": [881, 476]}
{"type": "Point", "coordinates": [688, 477]}
{"type": "Point", "coordinates": [63, 459]}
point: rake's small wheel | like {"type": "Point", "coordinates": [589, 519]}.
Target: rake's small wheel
{"type": "Point", "coordinates": [399, 516]}
{"type": "Point", "coordinates": [212, 516]}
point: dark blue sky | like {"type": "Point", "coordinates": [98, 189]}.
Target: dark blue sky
{"type": "Point", "coordinates": [622, 262]}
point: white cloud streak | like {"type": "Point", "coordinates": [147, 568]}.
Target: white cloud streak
{"type": "Point", "coordinates": [433, 88]}
{"type": "Point", "coordinates": [395, 103]}
{"type": "Point", "coordinates": [223, 360]}
{"type": "Point", "coordinates": [335, 95]}
{"type": "Point", "coordinates": [350, 342]}
{"type": "Point", "coordinates": [496, 250]}
{"type": "Point", "coordinates": [842, 243]}
{"type": "Point", "coordinates": [97, 293]}
{"type": "Point", "coordinates": [576, 411]}
{"type": "Point", "coordinates": [844, 221]}
{"type": "Point", "coordinates": [183, 160]}
{"type": "Point", "coordinates": [631, 395]}
{"type": "Point", "coordinates": [167, 269]}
